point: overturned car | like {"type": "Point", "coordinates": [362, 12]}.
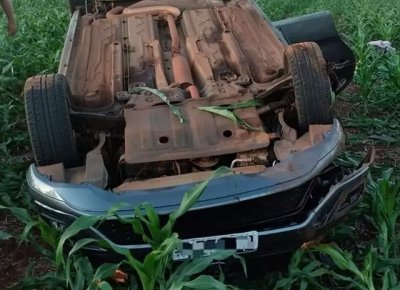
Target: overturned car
{"type": "Point", "coordinates": [152, 96]}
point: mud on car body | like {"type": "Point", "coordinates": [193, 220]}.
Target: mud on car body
{"type": "Point", "coordinates": [138, 113]}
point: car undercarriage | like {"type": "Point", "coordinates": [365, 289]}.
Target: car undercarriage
{"type": "Point", "coordinates": [125, 63]}
{"type": "Point", "coordinates": [152, 96]}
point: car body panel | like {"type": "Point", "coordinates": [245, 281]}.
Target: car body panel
{"type": "Point", "coordinates": [340, 199]}
{"type": "Point", "coordinates": [288, 174]}
{"type": "Point", "coordinates": [140, 75]}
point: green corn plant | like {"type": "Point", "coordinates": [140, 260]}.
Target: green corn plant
{"type": "Point", "coordinates": [368, 60]}
{"type": "Point", "coordinates": [361, 278]}
{"type": "Point", "coordinates": [391, 68]}
{"type": "Point", "coordinates": [156, 271]}
{"type": "Point", "coordinates": [385, 204]}
{"type": "Point", "coordinates": [385, 208]}
{"type": "Point", "coordinates": [303, 273]}
{"type": "Point", "coordinates": [380, 266]}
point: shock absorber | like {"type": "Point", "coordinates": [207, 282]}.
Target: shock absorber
{"type": "Point", "coordinates": [287, 100]}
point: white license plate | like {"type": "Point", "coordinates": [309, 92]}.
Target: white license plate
{"type": "Point", "coordinates": [203, 247]}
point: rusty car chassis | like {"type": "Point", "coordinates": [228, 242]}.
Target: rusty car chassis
{"type": "Point", "coordinates": [152, 96]}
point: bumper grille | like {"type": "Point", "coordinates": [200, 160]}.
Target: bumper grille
{"type": "Point", "coordinates": [282, 208]}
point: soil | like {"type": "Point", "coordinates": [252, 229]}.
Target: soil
{"type": "Point", "coordinates": [386, 155]}
{"type": "Point", "coordinates": [14, 258]}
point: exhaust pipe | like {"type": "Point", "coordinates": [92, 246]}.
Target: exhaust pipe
{"type": "Point", "coordinates": [180, 65]}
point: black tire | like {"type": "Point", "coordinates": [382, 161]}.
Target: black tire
{"type": "Point", "coordinates": [48, 120]}
{"type": "Point", "coordinates": [311, 84]}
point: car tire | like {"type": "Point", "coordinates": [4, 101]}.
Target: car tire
{"type": "Point", "coordinates": [311, 84]}
{"type": "Point", "coordinates": [48, 120]}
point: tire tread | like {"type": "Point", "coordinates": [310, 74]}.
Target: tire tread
{"type": "Point", "coordinates": [48, 120]}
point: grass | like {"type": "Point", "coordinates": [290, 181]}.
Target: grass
{"type": "Point", "coordinates": [365, 254]}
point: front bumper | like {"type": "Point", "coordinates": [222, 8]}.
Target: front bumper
{"type": "Point", "coordinates": [287, 206]}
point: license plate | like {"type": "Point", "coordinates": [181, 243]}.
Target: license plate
{"type": "Point", "coordinates": [203, 247]}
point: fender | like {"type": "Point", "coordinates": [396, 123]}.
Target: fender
{"type": "Point", "coordinates": [320, 28]}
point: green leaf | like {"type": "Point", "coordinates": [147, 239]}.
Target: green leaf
{"type": "Point", "coordinates": [283, 283]}
{"type": "Point", "coordinates": [226, 113]}
{"type": "Point", "coordinates": [82, 223]}
{"type": "Point", "coordinates": [386, 174]}
{"type": "Point", "coordinates": [192, 195]}
{"type": "Point", "coordinates": [20, 213]}
{"type": "Point", "coordinates": [27, 230]}
{"type": "Point", "coordinates": [303, 285]}
{"type": "Point", "coordinates": [174, 109]}
{"type": "Point", "coordinates": [137, 226]}
{"type": "Point", "coordinates": [103, 285]}
{"type": "Point", "coordinates": [151, 221]}
{"type": "Point", "coordinates": [83, 271]}
{"type": "Point", "coordinates": [116, 207]}
{"type": "Point", "coordinates": [48, 233]}
{"type": "Point", "coordinates": [243, 105]}
{"type": "Point", "coordinates": [130, 260]}
{"type": "Point", "coordinates": [47, 281]}
{"type": "Point", "coordinates": [221, 111]}
{"type": "Point", "coordinates": [205, 282]}
{"type": "Point", "coordinates": [5, 236]}
{"type": "Point", "coordinates": [68, 272]}
{"type": "Point", "coordinates": [154, 225]}
{"type": "Point", "coordinates": [243, 262]}
{"type": "Point", "coordinates": [311, 266]}
{"type": "Point", "coordinates": [176, 286]}
{"type": "Point", "coordinates": [7, 68]}
{"type": "Point", "coordinates": [317, 273]}
{"type": "Point", "coordinates": [340, 259]}
{"type": "Point", "coordinates": [105, 271]}
{"type": "Point", "coordinates": [80, 244]}
{"type": "Point", "coordinates": [196, 266]}
{"type": "Point", "coordinates": [385, 280]}
{"type": "Point", "coordinates": [152, 215]}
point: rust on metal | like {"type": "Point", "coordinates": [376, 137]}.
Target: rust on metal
{"type": "Point", "coordinates": [152, 10]}
{"type": "Point", "coordinates": [169, 181]}
{"type": "Point", "coordinates": [180, 66]}
{"type": "Point", "coordinates": [115, 12]}
{"type": "Point", "coordinates": [219, 45]}
{"type": "Point", "coordinates": [155, 134]}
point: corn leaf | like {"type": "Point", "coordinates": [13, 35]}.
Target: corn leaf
{"type": "Point", "coordinates": [226, 113]}
{"type": "Point", "coordinates": [340, 259]}
{"type": "Point", "coordinates": [27, 230]}
{"type": "Point", "coordinates": [104, 271]}
{"type": "Point", "coordinates": [130, 260]}
{"type": "Point", "coordinates": [193, 194]}
{"type": "Point", "coordinates": [243, 105]}
{"type": "Point", "coordinates": [103, 285]}
{"type": "Point", "coordinates": [4, 236]}
{"type": "Point", "coordinates": [205, 282]}
{"type": "Point", "coordinates": [80, 244]}
{"type": "Point", "coordinates": [20, 213]}
{"type": "Point", "coordinates": [83, 270]}
{"type": "Point", "coordinates": [82, 223]}
{"type": "Point", "coordinates": [174, 109]}
{"type": "Point", "coordinates": [196, 266]}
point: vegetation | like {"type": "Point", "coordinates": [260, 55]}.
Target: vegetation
{"type": "Point", "coordinates": [366, 252]}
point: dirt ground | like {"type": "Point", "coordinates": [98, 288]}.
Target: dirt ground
{"type": "Point", "coordinates": [15, 259]}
